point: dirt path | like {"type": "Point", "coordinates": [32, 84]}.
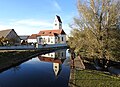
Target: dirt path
{"type": "Point", "coordinates": [76, 64]}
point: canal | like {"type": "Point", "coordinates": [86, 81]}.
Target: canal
{"type": "Point", "coordinates": [48, 70]}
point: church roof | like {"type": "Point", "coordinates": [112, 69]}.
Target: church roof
{"type": "Point", "coordinates": [59, 19]}
{"type": "Point", "coordinates": [51, 32]}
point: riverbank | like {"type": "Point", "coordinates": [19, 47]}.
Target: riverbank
{"type": "Point", "coordinates": [91, 77]}
{"type": "Point", "coordinates": [12, 58]}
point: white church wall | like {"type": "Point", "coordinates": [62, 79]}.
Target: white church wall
{"type": "Point", "coordinates": [46, 39]}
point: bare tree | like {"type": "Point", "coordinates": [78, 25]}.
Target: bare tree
{"type": "Point", "coordinates": [95, 33]}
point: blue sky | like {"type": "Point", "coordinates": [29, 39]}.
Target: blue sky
{"type": "Point", "coordinates": [31, 16]}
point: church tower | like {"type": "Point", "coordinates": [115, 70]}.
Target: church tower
{"type": "Point", "coordinates": [57, 23]}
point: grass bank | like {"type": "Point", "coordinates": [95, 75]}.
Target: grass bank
{"type": "Point", "coordinates": [11, 58]}
{"type": "Point", "coordinates": [93, 78]}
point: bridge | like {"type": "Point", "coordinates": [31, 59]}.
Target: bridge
{"type": "Point", "coordinates": [32, 47]}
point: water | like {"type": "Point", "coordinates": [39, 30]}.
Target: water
{"type": "Point", "coordinates": [41, 71]}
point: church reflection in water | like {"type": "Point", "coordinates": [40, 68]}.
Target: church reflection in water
{"type": "Point", "coordinates": [57, 58]}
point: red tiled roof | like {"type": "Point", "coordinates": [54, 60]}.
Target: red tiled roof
{"type": "Point", "coordinates": [33, 36]}
{"type": "Point", "coordinates": [51, 32]}
{"type": "Point", "coordinates": [48, 59]}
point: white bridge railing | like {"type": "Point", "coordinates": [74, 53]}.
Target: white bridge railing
{"type": "Point", "coordinates": [27, 47]}
{"type": "Point", "coordinates": [21, 47]}
{"type": "Point", "coordinates": [51, 45]}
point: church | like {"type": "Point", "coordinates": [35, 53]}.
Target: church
{"type": "Point", "coordinates": [54, 36]}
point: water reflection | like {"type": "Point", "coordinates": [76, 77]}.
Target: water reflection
{"type": "Point", "coordinates": [41, 71]}
{"type": "Point", "coordinates": [60, 54]}
{"type": "Point", "coordinates": [56, 58]}
{"type": "Point", "coordinates": [16, 68]}
{"type": "Point", "coordinates": [57, 68]}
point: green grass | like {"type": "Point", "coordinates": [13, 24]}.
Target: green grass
{"type": "Point", "coordinates": [7, 59]}
{"type": "Point", "coordinates": [92, 78]}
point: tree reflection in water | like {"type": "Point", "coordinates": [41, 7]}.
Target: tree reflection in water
{"type": "Point", "coordinates": [16, 68]}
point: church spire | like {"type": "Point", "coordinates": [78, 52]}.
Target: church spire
{"type": "Point", "coordinates": [57, 23]}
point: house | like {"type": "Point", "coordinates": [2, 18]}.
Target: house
{"type": "Point", "coordinates": [24, 38]}
{"type": "Point", "coordinates": [32, 39]}
{"type": "Point", "coordinates": [11, 36]}
{"type": "Point", "coordinates": [54, 36]}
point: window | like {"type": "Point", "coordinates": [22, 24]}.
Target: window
{"type": "Point", "coordinates": [62, 54]}
{"type": "Point", "coordinates": [62, 39]}
{"type": "Point", "coordinates": [44, 40]}
{"type": "Point", "coordinates": [60, 24]}
{"type": "Point", "coordinates": [51, 55]}
{"type": "Point", "coordinates": [58, 54]}
{"type": "Point", "coordinates": [58, 39]}
{"type": "Point", "coordinates": [40, 40]}
{"type": "Point", "coordinates": [48, 39]}
{"type": "Point", "coordinates": [55, 24]}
